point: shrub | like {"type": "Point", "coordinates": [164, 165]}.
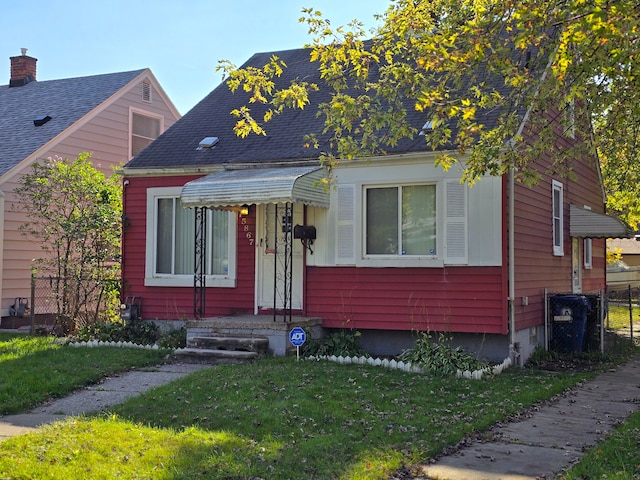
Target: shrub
{"type": "Point", "coordinates": [439, 358]}
{"type": "Point", "coordinates": [175, 338]}
{"type": "Point", "coordinates": [341, 343]}
{"type": "Point", "coordinates": [143, 333]}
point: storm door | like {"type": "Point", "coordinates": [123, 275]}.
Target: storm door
{"type": "Point", "coordinates": [280, 268]}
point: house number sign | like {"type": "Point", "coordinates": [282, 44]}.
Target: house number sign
{"type": "Point", "coordinates": [247, 231]}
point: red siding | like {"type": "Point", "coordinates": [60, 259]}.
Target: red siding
{"type": "Point", "coordinates": [455, 299]}
{"type": "Point", "coordinates": [536, 268]}
{"type": "Point", "coordinates": [176, 303]}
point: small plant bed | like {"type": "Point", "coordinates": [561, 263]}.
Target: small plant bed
{"type": "Point", "coordinates": [439, 358]}
{"type": "Point", "coordinates": [139, 333]}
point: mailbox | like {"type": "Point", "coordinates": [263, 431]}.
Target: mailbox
{"type": "Point", "coordinates": [304, 232]}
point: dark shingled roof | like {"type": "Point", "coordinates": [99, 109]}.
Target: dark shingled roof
{"type": "Point", "coordinates": [178, 146]}
{"type": "Point", "coordinates": [66, 101]}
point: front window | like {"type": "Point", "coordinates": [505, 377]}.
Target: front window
{"type": "Point", "coordinates": [171, 242]}
{"type": "Point", "coordinates": [175, 245]}
{"type": "Point", "coordinates": [401, 220]}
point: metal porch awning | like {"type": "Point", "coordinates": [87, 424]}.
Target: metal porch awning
{"type": "Point", "coordinates": [247, 186]}
{"type": "Point", "coordinates": [587, 224]}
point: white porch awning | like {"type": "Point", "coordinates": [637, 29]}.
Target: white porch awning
{"type": "Point", "coordinates": [587, 224]}
{"type": "Point", "coordinates": [234, 188]}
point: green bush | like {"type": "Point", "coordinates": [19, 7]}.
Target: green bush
{"type": "Point", "coordinates": [341, 343]}
{"type": "Point", "coordinates": [143, 333]}
{"type": "Point", "coordinates": [439, 358]}
{"type": "Point", "coordinates": [175, 338]}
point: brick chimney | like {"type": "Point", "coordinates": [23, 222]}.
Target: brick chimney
{"type": "Point", "coordinates": [23, 69]}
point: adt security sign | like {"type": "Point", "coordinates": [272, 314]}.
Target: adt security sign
{"type": "Point", "coordinates": [297, 336]}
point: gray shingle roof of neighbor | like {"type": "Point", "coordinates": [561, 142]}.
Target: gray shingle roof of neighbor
{"type": "Point", "coordinates": [285, 140]}
{"type": "Point", "coordinates": [66, 101]}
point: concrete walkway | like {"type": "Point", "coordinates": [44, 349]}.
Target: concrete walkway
{"type": "Point", "coordinates": [109, 392]}
{"type": "Point", "coordinates": [552, 437]}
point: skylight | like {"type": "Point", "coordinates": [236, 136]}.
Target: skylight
{"type": "Point", "coordinates": [208, 142]}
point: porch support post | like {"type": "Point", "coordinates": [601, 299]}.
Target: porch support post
{"type": "Point", "coordinates": [275, 261]}
{"type": "Point", "coordinates": [199, 262]}
{"type": "Point", "coordinates": [283, 259]}
{"type": "Point", "coordinates": [288, 260]}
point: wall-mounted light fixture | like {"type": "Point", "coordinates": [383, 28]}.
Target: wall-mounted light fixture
{"type": "Point", "coordinates": [244, 210]}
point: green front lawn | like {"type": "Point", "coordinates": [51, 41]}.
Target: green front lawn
{"type": "Point", "coordinates": [35, 369]}
{"type": "Point", "coordinates": [272, 419]}
{"type": "Point", "coordinates": [279, 419]}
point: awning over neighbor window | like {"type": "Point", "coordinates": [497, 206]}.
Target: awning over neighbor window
{"type": "Point", "coordinates": [588, 224]}
{"type": "Point", "coordinates": [247, 186]}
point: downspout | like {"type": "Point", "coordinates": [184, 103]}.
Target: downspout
{"type": "Point", "coordinates": [513, 347]}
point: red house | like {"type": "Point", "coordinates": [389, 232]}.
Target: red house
{"type": "Point", "coordinates": [223, 226]}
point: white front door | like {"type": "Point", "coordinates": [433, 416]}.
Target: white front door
{"type": "Point", "coordinates": [273, 266]}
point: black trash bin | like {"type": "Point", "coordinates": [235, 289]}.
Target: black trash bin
{"type": "Point", "coordinates": [569, 322]}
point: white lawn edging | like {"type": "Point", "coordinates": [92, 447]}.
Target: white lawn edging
{"type": "Point", "coordinates": [100, 343]}
{"type": "Point", "coordinates": [407, 367]}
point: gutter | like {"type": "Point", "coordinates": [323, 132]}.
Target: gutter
{"type": "Point", "coordinates": [514, 354]}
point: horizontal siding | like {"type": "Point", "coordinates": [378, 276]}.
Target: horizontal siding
{"type": "Point", "coordinates": [458, 299]}
{"type": "Point", "coordinates": [106, 136]}
{"type": "Point", "coordinates": [176, 303]}
{"type": "Point", "coordinates": [536, 268]}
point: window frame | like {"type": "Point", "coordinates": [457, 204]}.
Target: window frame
{"type": "Point", "coordinates": [398, 260]}
{"type": "Point", "coordinates": [136, 111]}
{"type": "Point", "coordinates": [588, 253]}
{"type": "Point", "coordinates": [557, 229]}
{"type": "Point", "coordinates": [152, 278]}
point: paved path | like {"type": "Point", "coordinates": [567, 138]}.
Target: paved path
{"type": "Point", "coordinates": [552, 437]}
{"type": "Point", "coordinates": [110, 391]}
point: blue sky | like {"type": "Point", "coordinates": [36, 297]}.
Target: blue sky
{"type": "Point", "coordinates": [181, 41]}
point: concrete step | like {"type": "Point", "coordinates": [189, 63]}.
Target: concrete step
{"type": "Point", "coordinates": [231, 343]}
{"type": "Point", "coordinates": [213, 356]}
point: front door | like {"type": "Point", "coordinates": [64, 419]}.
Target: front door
{"type": "Point", "coordinates": [280, 257]}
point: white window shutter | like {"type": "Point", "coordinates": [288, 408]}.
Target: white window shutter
{"type": "Point", "coordinates": [345, 231]}
{"type": "Point", "coordinates": [456, 235]}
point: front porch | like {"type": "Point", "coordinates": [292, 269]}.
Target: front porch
{"type": "Point", "coordinates": [255, 326]}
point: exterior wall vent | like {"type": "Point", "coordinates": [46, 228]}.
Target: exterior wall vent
{"type": "Point", "coordinates": [146, 91]}
{"type": "Point", "coordinates": [41, 120]}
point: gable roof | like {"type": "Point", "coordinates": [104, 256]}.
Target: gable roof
{"type": "Point", "coordinates": [285, 138]}
{"type": "Point", "coordinates": [66, 101]}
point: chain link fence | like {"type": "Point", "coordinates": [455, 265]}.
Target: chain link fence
{"type": "Point", "coordinates": [61, 305]}
{"type": "Point", "coordinates": [599, 322]}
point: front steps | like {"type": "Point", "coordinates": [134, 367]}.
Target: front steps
{"type": "Point", "coordinates": [242, 338]}
{"type": "Point", "coordinates": [222, 349]}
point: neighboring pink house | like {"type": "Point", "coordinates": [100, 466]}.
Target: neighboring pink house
{"type": "Point", "coordinates": [398, 246]}
{"type": "Point", "coordinates": [113, 116]}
